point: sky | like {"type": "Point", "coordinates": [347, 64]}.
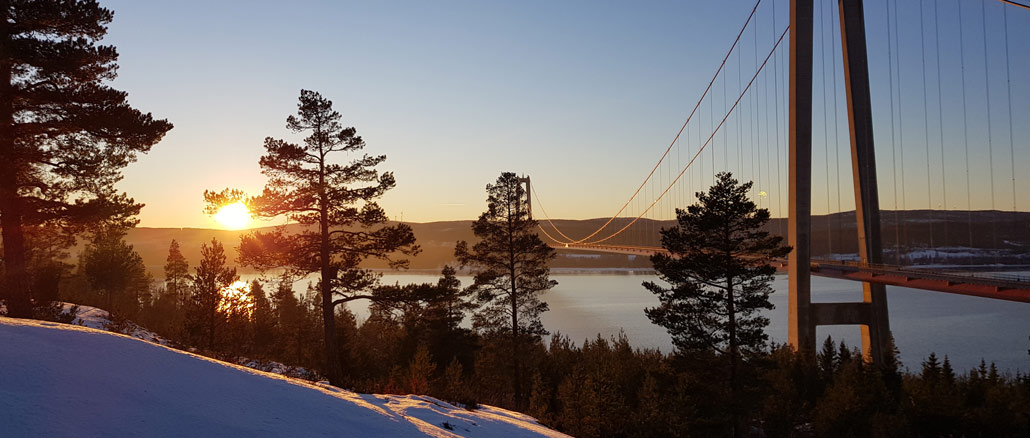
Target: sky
{"type": "Point", "coordinates": [582, 96]}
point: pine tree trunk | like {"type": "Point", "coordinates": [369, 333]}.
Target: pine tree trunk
{"type": "Point", "coordinates": [517, 372]}
{"type": "Point", "coordinates": [332, 364]}
{"type": "Point", "coordinates": [15, 287]}
{"type": "Point", "coordinates": [732, 332]}
{"type": "Point", "coordinates": [514, 312]}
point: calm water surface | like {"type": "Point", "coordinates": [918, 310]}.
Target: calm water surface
{"type": "Point", "coordinates": [965, 329]}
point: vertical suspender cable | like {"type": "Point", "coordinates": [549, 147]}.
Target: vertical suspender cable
{"type": "Point", "coordinates": [836, 128]}
{"type": "Point", "coordinates": [1008, 86]}
{"type": "Point", "coordinates": [901, 132]}
{"type": "Point", "coordinates": [926, 121]}
{"type": "Point", "coordinates": [740, 121]}
{"type": "Point", "coordinates": [940, 119]}
{"type": "Point", "coordinates": [755, 136]}
{"type": "Point", "coordinates": [990, 138]}
{"type": "Point", "coordinates": [965, 123]}
{"type": "Point", "coordinates": [826, 130]}
{"type": "Point", "coordinates": [894, 149]}
{"type": "Point", "coordinates": [776, 105]}
{"type": "Point", "coordinates": [725, 134]}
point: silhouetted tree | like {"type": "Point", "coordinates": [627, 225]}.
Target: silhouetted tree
{"type": "Point", "coordinates": [205, 313]}
{"type": "Point", "coordinates": [177, 273]}
{"type": "Point", "coordinates": [64, 133]}
{"type": "Point", "coordinates": [115, 270]}
{"type": "Point", "coordinates": [292, 321]}
{"type": "Point", "coordinates": [718, 268]}
{"type": "Point", "coordinates": [511, 270]}
{"type": "Point", "coordinates": [308, 186]}
{"type": "Point", "coordinates": [262, 319]}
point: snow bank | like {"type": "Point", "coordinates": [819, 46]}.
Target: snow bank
{"type": "Point", "coordinates": [62, 380]}
{"type": "Point", "coordinates": [100, 319]}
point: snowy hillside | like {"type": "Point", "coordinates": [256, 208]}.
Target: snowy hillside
{"type": "Point", "coordinates": [100, 319]}
{"type": "Point", "coordinates": [61, 380]}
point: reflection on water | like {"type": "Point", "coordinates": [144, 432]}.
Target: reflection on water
{"type": "Point", "coordinates": [964, 328]}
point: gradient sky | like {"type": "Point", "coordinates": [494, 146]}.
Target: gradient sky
{"type": "Point", "coordinates": [584, 96]}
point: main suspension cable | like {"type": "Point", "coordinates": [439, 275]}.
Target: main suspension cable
{"type": "Point", "coordinates": [680, 132]}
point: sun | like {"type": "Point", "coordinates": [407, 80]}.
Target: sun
{"type": "Point", "coordinates": [233, 216]}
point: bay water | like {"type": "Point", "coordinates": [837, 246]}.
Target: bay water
{"type": "Point", "coordinates": [964, 328]}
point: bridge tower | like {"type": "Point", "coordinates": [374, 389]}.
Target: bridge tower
{"type": "Point", "coordinates": [871, 312]}
{"type": "Point", "coordinates": [529, 195]}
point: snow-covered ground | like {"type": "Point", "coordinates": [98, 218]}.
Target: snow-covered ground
{"type": "Point", "coordinates": [59, 380]}
{"type": "Point", "coordinates": [100, 319]}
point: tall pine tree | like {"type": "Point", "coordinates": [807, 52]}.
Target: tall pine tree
{"type": "Point", "coordinates": [308, 185]}
{"type": "Point", "coordinates": [511, 270]}
{"type": "Point", "coordinates": [204, 313]}
{"type": "Point", "coordinates": [718, 268]}
{"type": "Point", "coordinates": [177, 272]}
{"type": "Point", "coordinates": [116, 271]}
{"type": "Point", "coordinates": [64, 133]}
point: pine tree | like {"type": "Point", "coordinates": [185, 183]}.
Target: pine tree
{"type": "Point", "coordinates": [719, 267]}
{"type": "Point", "coordinates": [454, 384]}
{"type": "Point", "coordinates": [827, 359]}
{"type": "Point", "coordinates": [947, 372]}
{"type": "Point", "coordinates": [64, 132]}
{"type": "Point", "coordinates": [308, 186]}
{"type": "Point", "coordinates": [204, 315]}
{"type": "Point", "coordinates": [420, 371]}
{"type": "Point", "coordinates": [511, 263]}
{"type": "Point", "coordinates": [177, 272]}
{"type": "Point", "coordinates": [451, 302]}
{"type": "Point", "coordinates": [115, 270]}
{"type": "Point", "coordinates": [291, 319]}
{"type": "Point", "coordinates": [262, 320]}
{"type": "Point", "coordinates": [931, 369]}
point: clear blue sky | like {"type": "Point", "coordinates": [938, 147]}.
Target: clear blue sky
{"type": "Point", "coordinates": [584, 96]}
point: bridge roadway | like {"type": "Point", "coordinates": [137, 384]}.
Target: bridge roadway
{"type": "Point", "coordinates": [996, 286]}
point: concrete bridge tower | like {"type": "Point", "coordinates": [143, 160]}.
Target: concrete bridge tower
{"type": "Point", "coordinates": [804, 315]}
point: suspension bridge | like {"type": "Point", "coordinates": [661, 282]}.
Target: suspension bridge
{"type": "Point", "coordinates": [792, 106]}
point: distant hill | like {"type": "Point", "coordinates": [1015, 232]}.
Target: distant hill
{"type": "Point", "coordinates": [998, 237]}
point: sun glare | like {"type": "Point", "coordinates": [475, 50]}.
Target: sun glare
{"type": "Point", "coordinates": [236, 299]}
{"type": "Point", "coordinates": [233, 216]}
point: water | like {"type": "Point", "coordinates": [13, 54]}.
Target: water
{"type": "Point", "coordinates": [964, 328]}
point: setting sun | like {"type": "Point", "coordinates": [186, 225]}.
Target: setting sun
{"type": "Point", "coordinates": [233, 216]}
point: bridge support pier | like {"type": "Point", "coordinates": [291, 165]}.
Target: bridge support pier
{"type": "Point", "coordinates": [804, 315]}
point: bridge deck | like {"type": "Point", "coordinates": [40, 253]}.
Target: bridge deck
{"type": "Point", "coordinates": [997, 286]}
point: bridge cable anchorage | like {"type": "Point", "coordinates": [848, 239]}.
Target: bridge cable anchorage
{"type": "Point", "coordinates": [706, 143]}
{"type": "Point", "coordinates": [680, 132]}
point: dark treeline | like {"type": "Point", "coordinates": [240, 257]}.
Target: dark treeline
{"type": "Point", "coordinates": [439, 339]}
{"type": "Point", "coordinates": [602, 387]}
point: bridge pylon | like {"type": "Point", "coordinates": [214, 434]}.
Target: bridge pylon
{"type": "Point", "coordinates": [529, 194]}
{"type": "Point", "coordinates": [804, 315]}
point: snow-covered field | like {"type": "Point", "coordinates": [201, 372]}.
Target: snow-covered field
{"type": "Point", "coordinates": [60, 380]}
